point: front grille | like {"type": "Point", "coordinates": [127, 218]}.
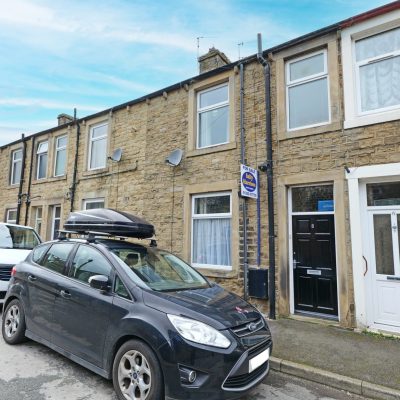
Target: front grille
{"type": "Point", "coordinates": [259, 348]}
{"type": "Point", "coordinates": [5, 272]}
{"type": "Point", "coordinates": [248, 328]}
{"type": "Point", "coordinates": [242, 381]}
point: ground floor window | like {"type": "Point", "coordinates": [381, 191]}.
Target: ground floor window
{"type": "Point", "coordinates": [212, 230]}
{"type": "Point", "coordinates": [90, 204]}
{"type": "Point", "coordinates": [56, 221]}
{"type": "Point", "coordinates": [11, 216]}
{"type": "Point", "coordinates": [38, 220]}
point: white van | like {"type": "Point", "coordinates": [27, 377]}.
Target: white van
{"type": "Point", "coordinates": [16, 242]}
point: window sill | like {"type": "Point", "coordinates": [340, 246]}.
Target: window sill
{"type": "Point", "coordinates": [13, 187]}
{"type": "Point", "coordinates": [210, 150]}
{"type": "Point", "coordinates": [217, 273]}
{"type": "Point", "coordinates": [317, 130]}
{"type": "Point", "coordinates": [372, 119]}
{"type": "Point", "coordinates": [95, 171]}
{"type": "Point", "coordinates": [47, 180]}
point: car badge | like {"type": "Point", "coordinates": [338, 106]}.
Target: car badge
{"type": "Point", "coordinates": [252, 326]}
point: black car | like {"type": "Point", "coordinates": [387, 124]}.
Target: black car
{"type": "Point", "coordinates": [137, 315]}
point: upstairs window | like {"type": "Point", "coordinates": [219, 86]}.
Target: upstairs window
{"type": "Point", "coordinates": [42, 156]}
{"type": "Point", "coordinates": [307, 91]}
{"type": "Point", "coordinates": [213, 116]}
{"type": "Point", "coordinates": [377, 71]}
{"type": "Point", "coordinates": [98, 146]}
{"type": "Point", "coordinates": [61, 156]}
{"type": "Point", "coordinates": [16, 166]}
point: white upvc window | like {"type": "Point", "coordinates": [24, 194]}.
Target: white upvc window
{"type": "Point", "coordinates": [41, 160]}
{"type": "Point", "coordinates": [307, 91]}
{"type": "Point", "coordinates": [11, 216]}
{"type": "Point", "coordinates": [371, 70]}
{"type": "Point", "coordinates": [98, 146]}
{"type": "Point", "coordinates": [55, 221]}
{"type": "Point", "coordinates": [90, 204]}
{"type": "Point", "coordinates": [377, 71]}
{"type": "Point", "coordinates": [212, 231]}
{"type": "Point", "coordinates": [60, 156]}
{"type": "Point", "coordinates": [38, 220]}
{"type": "Point", "coordinates": [16, 166]}
{"type": "Point", "coordinates": [213, 116]}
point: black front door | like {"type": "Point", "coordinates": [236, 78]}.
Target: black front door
{"type": "Point", "coordinates": [314, 264]}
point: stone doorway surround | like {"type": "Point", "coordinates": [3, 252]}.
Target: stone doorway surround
{"type": "Point", "coordinates": [345, 299]}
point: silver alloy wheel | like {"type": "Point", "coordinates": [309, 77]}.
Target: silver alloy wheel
{"type": "Point", "coordinates": [134, 376]}
{"type": "Point", "coordinates": [11, 321]}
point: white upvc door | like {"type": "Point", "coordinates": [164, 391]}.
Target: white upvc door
{"type": "Point", "coordinates": [385, 258]}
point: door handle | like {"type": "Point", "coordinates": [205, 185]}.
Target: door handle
{"type": "Point", "coordinates": [393, 278]}
{"type": "Point", "coordinates": [32, 278]}
{"type": "Point", "coordinates": [65, 294]}
{"type": "Point", "coordinates": [295, 264]}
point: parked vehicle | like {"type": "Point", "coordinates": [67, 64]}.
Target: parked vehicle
{"type": "Point", "coordinates": [137, 315]}
{"type": "Point", "coordinates": [16, 241]}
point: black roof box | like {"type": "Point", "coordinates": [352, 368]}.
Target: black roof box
{"type": "Point", "coordinates": [109, 221]}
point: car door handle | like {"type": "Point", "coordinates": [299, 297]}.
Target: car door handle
{"type": "Point", "coordinates": [32, 278]}
{"type": "Point", "coordinates": [65, 294]}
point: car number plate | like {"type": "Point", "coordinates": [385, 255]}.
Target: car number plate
{"type": "Point", "coordinates": [258, 360]}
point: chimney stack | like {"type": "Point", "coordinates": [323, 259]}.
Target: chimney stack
{"type": "Point", "coordinates": [64, 119]}
{"type": "Point", "coordinates": [212, 60]}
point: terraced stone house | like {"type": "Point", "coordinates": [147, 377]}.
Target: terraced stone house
{"type": "Point", "coordinates": [333, 98]}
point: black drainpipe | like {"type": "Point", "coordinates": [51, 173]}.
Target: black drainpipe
{"type": "Point", "coordinates": [28, 191]}
{"type": "Point", "coordinates": [21, 181]}
{"type": "Point", "coordinates": [73, 186]}
{"type": "Point", "coordinates": [244, 203]}
{"type": "Point", "coordinates": [268, 168]}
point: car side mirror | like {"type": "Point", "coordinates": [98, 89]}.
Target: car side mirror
{"type": "Point", "coordinates": [99, 282]}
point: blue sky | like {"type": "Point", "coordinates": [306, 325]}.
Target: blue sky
{"type": "Point", "coordinates": [94, 54]}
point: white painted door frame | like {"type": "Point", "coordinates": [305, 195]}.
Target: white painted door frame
{"type": "Point", "coordinates": [357, 179]}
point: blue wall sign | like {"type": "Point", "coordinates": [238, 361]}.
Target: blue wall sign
{"type": "Point", "coordinates": [325, 205]}
{"type": "Point", "coordinates": [248, 181]}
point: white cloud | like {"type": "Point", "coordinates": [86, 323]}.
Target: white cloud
{"type": "Point", "coordinates": [44, 103]}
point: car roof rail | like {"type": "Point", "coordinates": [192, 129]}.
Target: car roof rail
{"type": "Point", "coordinates": [92, 236]}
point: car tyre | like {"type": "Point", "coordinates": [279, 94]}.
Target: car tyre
{"type": "Point", "coordinates": [137, 373]}
{"type": "Point", "coordinates": [13, 323]}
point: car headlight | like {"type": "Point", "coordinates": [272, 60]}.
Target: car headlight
{"type": "Point", "coordinates": [197, 332]}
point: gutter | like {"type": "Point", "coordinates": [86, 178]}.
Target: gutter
{"type": "Point", "coordinates": [370, 14]}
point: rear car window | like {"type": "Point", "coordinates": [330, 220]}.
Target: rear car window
{"type": "Point", "coordinates": [39, 252]}
{"type": "Point", "coordinates": [87, 263]}
{"type": "Point", "coordinates": [18, 237]}
{"type": "Point", "coordinates": [57, 257]}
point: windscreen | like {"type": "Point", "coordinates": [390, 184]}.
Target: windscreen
{"type": "Point", "coordinates": [159, 270]}
{"type": "Point", "coordinates": [17, 237]}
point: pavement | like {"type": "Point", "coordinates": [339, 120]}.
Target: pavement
{"type": "Point", "coordinates": [31, 371]}
{"type": "Point", "coordinates": [361, 363]}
